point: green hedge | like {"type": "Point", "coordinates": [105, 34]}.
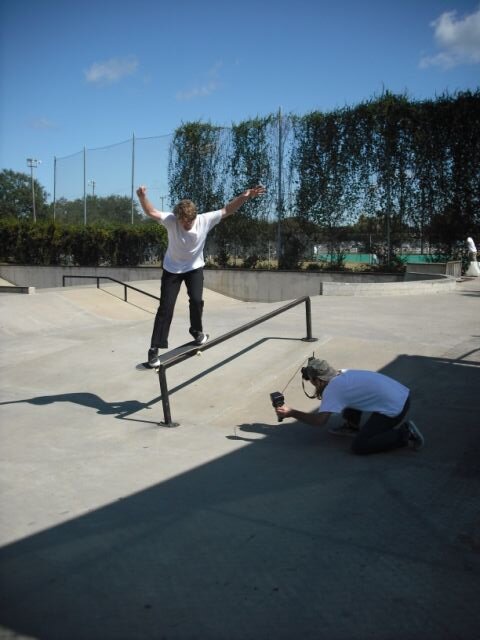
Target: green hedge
{"type": "Point", "coordinates": [48, 243]}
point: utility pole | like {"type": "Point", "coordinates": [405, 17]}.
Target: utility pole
{"type": "Point", "coordinates": [33, 164]}
{"type": "Point", "coordinates": [92, 183]}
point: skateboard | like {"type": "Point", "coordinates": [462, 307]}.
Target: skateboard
{"type": "Point", "coordinates": [169, 355]}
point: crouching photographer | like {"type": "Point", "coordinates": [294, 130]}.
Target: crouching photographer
{"type": "Point", "coordinates": [352, 392]}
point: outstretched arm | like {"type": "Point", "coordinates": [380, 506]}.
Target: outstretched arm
{"type": "Point", "coordinates": [237, 202]}
{"type": "Point", "coordinates": [147, 206]}
{"type": "Point", "coordinates": [317, 419]}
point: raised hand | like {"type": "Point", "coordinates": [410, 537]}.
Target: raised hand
{"type": "Point", "coordinates": [254, 191]}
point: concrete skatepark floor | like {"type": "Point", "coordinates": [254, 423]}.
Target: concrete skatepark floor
{"type": "Point", "coordinates": [231, 525]}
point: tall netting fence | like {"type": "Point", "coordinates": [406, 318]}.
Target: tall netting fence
{"type": "Point", "coordinates": [69, 188]}
{"type": "Point", "coordinates": [151, 169]}
{"type": "Point", "coordinates": [98, 186]}
{"type": "Point", "coordinates": [380, 180]}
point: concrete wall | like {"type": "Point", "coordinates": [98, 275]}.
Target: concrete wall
{"type": "Point", "coordinates": [10, 288]}
{"type": "Point", "coordinates": [252, 286]}
{"type": "Point", "coordinates": [451, 268]}
{"type": "Point", "coordinates": [46, 277]}
{"type": "Point", "coordinates": [273, 286]}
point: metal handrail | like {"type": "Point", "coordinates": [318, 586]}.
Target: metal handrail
{"type": "Point", "coordinates": [176, 359]}
{"type": "Point", "coordinates": [124, 284]}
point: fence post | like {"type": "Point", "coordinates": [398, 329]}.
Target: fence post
{"type": "Point", "coordinates": [280, 195]}
{"type": "Point", "coordinates": [85, 186]}
{"type": "Point", "coordinates": [133, 171]}
{"type": "Point", "coordinates": [54, 186]}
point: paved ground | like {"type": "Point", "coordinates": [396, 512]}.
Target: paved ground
{"type": "Point", "coordinates": [231, 526]}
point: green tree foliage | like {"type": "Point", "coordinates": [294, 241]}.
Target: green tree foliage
{"type": "Point", "coordinates": [399, 168]}
{"type": "Point", "coordinates": [458, 212]}
{"type": "Point", "coordinates": [16, 198]}
{"type": "Point", "coordinates": [48, 243]}
{"type": "Point", "coordinates": [249, 164]}
{"type": "Point", "coordinates": [415, 165]}
{"type": "Point", "coordinates": [196, 166]}
{"type": "Point", "coordinates": [100, 210]}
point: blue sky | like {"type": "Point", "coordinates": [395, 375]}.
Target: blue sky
{"type": "Point", "coordinates": [75, 74]}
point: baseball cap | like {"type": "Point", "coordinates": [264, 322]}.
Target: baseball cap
{"type": "Point", "coordinates": [320, 369]}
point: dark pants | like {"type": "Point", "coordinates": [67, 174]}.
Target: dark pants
{"type": "Point", "coordinates": [378, 433]}
{"type": "Point", "coordinates": [170, 287]}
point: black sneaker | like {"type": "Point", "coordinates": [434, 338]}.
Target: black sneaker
{"type": "Point", "coordinates": [415, 438]}
{"type": "Point", "coordinates": [201, 338]}
{"type": "Point", "coordinates": [153, 359]}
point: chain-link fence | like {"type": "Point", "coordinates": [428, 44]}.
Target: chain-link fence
{"type": "Point", "coordinates": [98, 185]}
{"type": "Point", "coordinates": [92, 177]}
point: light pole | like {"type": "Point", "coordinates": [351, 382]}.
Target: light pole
{"type": "Point", "coordinates": [33, 164]}
{"type": "Point", "coordinates": [92, 183]}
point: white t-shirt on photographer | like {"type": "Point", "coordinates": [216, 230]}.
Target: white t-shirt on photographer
{"type": "Point", "coordinates": [366, 391]}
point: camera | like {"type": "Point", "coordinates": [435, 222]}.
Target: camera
{"type": "Point", "coordinates": [305, 375]}
{"type": "Point", "coordinates": [277, 401]}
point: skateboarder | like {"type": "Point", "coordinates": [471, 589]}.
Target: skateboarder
{"type": "Point", "coordinates": [350, 392]}
{"type": "Point", "coordinates": [183, 262]}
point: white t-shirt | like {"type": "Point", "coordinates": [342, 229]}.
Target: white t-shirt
{"type": "Point", "coordinates": [366, 391]}
{"type": "Point", "coordinates": [185, 248]}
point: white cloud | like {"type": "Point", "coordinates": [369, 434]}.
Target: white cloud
{"type": "Point", "coordinates": [43, 123]}
{"type": "Point", "coordinates": [198, 92]}
{"type": "Point", "coordinates": [458, 40]}
{"type": "Point", "coordinates": [111, 71]}
{"type": "Point", "coordinates": [209, 86]}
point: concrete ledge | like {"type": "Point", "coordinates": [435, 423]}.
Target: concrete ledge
{"type": "Point", "coordinates": [406, 288]}
{"type": "Point", "coordinates": [13, 289]}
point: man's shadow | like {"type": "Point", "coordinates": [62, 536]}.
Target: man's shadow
{"type": "Point", "coordinates": [91, 400]}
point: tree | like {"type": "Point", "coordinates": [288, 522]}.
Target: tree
{"type": "Point", "coordinates": [196, 168]}
{"type": "Point", "coordinates": [248, 165]}
{"type": "Point", "coordinates": [100, 210]}
{"type": "Point", "coordinates": [16, 196]}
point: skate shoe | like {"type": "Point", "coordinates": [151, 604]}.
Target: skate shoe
{"type": "Point", "coordinates": [153, 359]}
{"type": "Point", "coordinates": [415, 438]}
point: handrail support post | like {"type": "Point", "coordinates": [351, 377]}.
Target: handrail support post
{"type": "Point", "coordinates": [308, 318]}
{"type": "Point", "coordinates": [167, 417]}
